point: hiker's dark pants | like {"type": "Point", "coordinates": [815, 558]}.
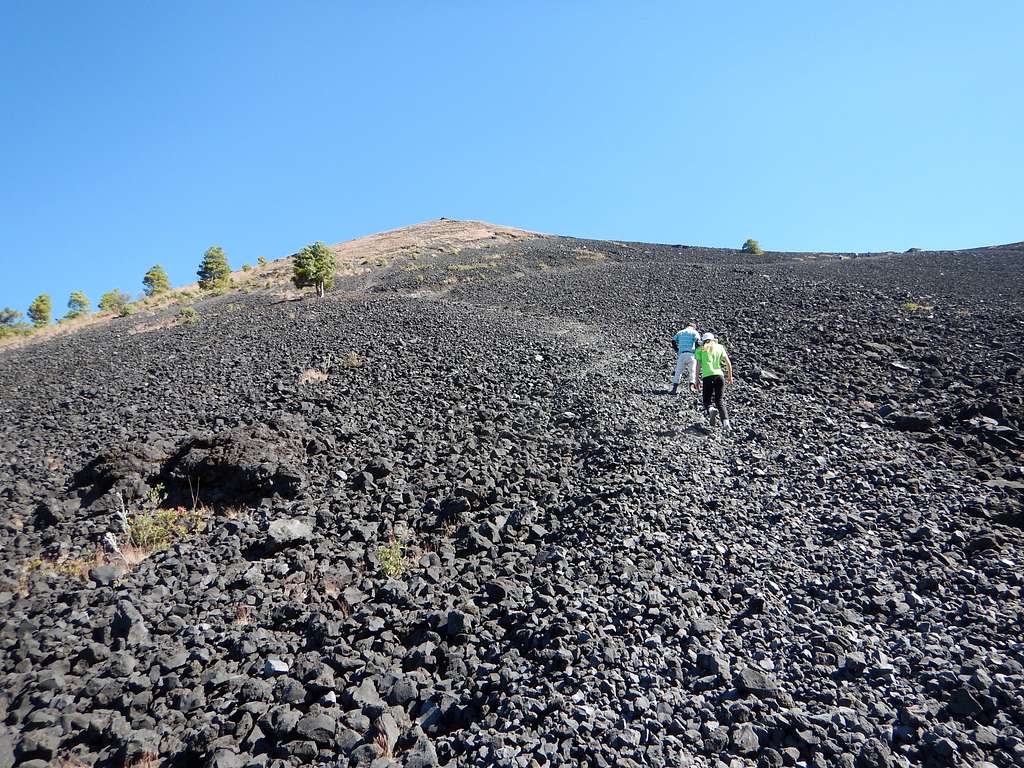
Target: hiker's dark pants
{"type": "Point", "coordinates": [713, 386]}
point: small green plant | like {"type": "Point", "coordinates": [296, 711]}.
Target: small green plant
{"type": "Point", "coordinates": [188, 315]}
{"type": "Point", "coordinates": [392, 559]}
{"type": "Point", "coordinates": [247, 267]}
{"type": "Point", "coordinates": [913, 306]}
{"type": "Point", "coordinates": [752, 247]}
{"type": "Point", "coordinates": [157, 494]}
{"type": "Point", "coordinates": [262, 261]}
{"type": "Point", "coordinates": [149, 532]}
{"type": "Point", "coordinates": [126, 310]}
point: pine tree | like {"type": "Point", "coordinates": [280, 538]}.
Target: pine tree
{"type": "Point", "coordinates": [40, 311]}
{"type": "Point", "coordinates": [315, 266]}
{"type": "Point", "coordinates": [156, 281]}
{"type": "Point", "coordinates": [752, 246]}
{"type": "Point", "coordinates": [214, 271]}
{"type": "Point", "coordinates": [9, 317]}
{"type": "Point", "coordinates": [78, 305]}
{"type": "Point", "coordinates": [114, 301]}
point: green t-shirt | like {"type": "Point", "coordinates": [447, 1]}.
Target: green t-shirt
{"type": "Point", "coordinates": [710, 358]}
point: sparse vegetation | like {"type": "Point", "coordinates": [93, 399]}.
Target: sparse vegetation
{"type": "Point", "coordinates": [188, 315]}
{"type": "Point", "coordinates": [243, 615]}
{"type": "Point", "coordinates": [68, 567]}
{"type": "Point", "coordinates": [392, 558]}
{"type": "Point", "coordinates": [315, 266]}
{"type": "Point", "coordinates": [262, 261]}
{"type": "Point", "coordinates": [157, 494]}
{"type": "Point", "coordinates": [214, 271]}
{"type": "Point", "coordinates": [312, 376]}
{"type": "Point", "coordinates": [155, 281]}
{"type": "Point", "coordinates": [11, 323]}
{"type": "Point", "coordinates": [247, 267]}
{"type": "Point", "coordinates": [114, 301]}
{"type": "Point", "coordinates": [149, 532]}
{"type": "Point", "coordinates": [913, 306]}
{"type": "Point", "coordinates": [752, 247]}
{"type": "Point", "coordinates": [40, 311]}
{"type": "Point", "coordinates": [352, 360]}
{"type": "Point", "coordinates": [78, 305]}
{"type": "Point", "coordinates": [9, 317]}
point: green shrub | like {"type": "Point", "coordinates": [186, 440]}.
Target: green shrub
{"type": "Point", "coordinates": [40, 311]}
{"type": "Point", "coordinates": [114, 301]}
{"type": "Point", "coordinates": [155, 281]}
{"type": "Point", "coordinates": [753, 247]}
{"type": "Point", "coordinates": [392, 559]}
{"type": "Point", "coordinates": [214, 271]}
{"type": "Point", "coordinates": [188, 315]}
{"type": "Point", "coordinates": [247, 267]}
{"type": "Point", "coordinates": [315, 266]}
{"type": "Point", "coordinates": [78, 305]}
{"type": "Point", "coordinates": [17, 329]}
{"type": "Point", "coordinates": [913, 306]}
{"type": "Point", "coordinates": [262, 261]}
{"type": "Point", "coordinates": [126, 310]}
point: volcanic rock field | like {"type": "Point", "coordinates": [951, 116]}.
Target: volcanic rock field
{"type": "Point", "coordinates": [450, 515]}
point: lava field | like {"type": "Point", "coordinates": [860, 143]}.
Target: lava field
{"type": "Point", "coordinates": [450, 515]}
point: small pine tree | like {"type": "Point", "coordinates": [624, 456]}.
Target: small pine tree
{"type": "Point", "coordinates": [214, 271]}
{"type": "Point", "coordinates": [262, 261]}
{"type": "Point", "coordinates": [315, 266]}
{"type": "Point", "coordinates": [9, 317]}
{"type": "Point", "coordinates": [156, 281]}
{"type": "Point", "coordinates": [78, 305]}
{"type": "Point", "coordinates": [114, 301]}
{"type": "Point", "coordinates": [40, 311]}
{"type": "Point", "coordinates": [752, 246]}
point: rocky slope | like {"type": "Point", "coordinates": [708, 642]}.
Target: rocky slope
{"type": "Point", "coordinates": [449, 515]}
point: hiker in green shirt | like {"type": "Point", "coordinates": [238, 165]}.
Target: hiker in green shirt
{"type": "Point", "coordinates": [714, 366]}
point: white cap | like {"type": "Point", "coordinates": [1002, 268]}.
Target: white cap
{"type": "Point", "coordinates": [707, 337]}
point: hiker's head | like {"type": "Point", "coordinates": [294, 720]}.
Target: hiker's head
{"type": "Point", "coordinates": [707, 337]}
{"type": "Point", "coordinates": [692, 324]}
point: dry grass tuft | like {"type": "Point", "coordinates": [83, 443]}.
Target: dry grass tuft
{"type": "Point", "coordinates": [312, 376]}
{"type": "Point", "coordinates": [69, 567]}
{"type": "Point", "coordinates": [352, 360]}
{"type": "Point", "coordinates": [156, 530]}
{"type": "Point", "coordinates": [145, 760]}
{"type": "Point", "coordinates": [243, 615]}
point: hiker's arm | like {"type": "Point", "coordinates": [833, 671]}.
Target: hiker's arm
{"type": "Point", "coordinates": [728, 367]}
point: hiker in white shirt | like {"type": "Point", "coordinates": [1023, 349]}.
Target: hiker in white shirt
{"type": "Point", "coordinates": [685, 342]}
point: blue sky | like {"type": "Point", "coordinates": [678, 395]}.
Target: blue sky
{"type": "Point", "coordinates": [143, 132]}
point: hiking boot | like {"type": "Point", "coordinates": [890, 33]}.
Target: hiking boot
{"type": "Point", "coordinates": [726, 425]}
{"type": "Point", "coordinates": [712, 417]}
{"type": "Point", "coordinates": [674, 388]}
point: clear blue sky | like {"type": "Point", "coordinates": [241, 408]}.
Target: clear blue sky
{"type": "Point", "coordinates": [143, 132]}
